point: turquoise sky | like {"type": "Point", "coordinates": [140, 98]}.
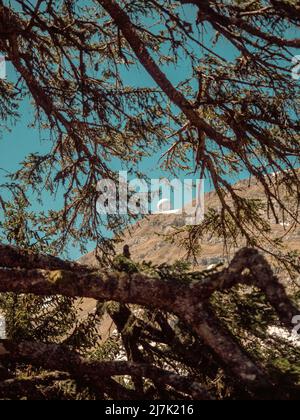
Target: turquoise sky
{"type": "Point", "coordinates": [23, 139]}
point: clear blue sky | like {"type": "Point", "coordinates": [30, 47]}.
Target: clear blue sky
{"type": "Point", "coordinates": [23, 139]}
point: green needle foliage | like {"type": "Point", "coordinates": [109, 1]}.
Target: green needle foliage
{"type": "Point", "coordinates": [218, 98]}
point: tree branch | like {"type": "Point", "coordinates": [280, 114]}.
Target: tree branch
{"type": "Point", "coordinates": [186, 299]}
{"type": "Point", "coordinates": [57, 357]}
{"type": "Point", "coordinates": [124, 23]}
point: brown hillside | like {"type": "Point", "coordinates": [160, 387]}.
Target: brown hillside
{"type": "Point", "coordinates": [146, 240]}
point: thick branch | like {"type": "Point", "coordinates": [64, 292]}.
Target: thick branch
{"type": "Point", "coordinates": [264, 278]}
{"type": "Point", "coordinates": [56, 357]}
{"type": "Point", "coordinates": [186, 299]}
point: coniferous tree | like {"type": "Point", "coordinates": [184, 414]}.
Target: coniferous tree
{"type": "Point", "coordinates": [235, 109]}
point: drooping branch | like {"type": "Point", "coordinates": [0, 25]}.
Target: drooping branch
{"type": "Point", "coordinates": [264, 278]}
{"type": "Point", "coordinates": [124, 23]}
{"type": "Point", "coordinates": [231, 107]}
{"type": "Point", "coordinates": [243, 24]}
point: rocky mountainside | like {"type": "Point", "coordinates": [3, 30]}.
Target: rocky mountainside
{"type": "Point", "coordinates": [147, 241]}
{"type": "Point", "coordinates": [147, 238]}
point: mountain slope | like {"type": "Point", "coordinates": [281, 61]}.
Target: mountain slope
{"type": "Point", "coordinates": [147, 238]}
{"type": "Point", "coordinates": [147, 241]}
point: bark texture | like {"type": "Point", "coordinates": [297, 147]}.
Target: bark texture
{"type": "Point", "coordinates": [23, 272]}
